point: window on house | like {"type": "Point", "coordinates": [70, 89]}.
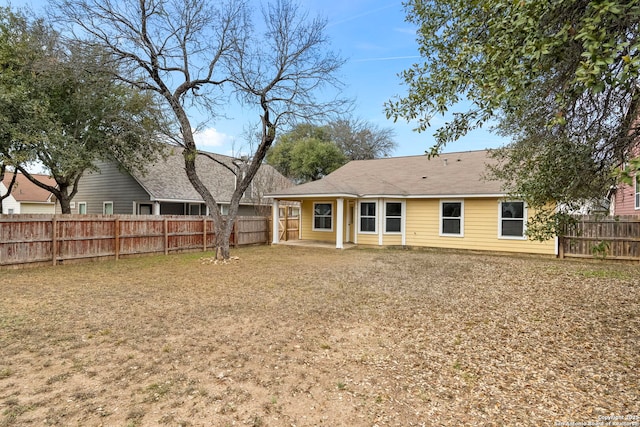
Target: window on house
{"type": "Point", "coordinates": [512, 219]}
{"type": "Point", "coordinates": [393, 217]}
{"type": "Point", "coordinates": [194, 209]}
{"type": "Point", "coordinates": [107, 208]}
{"type": "Point", "coordinates": [368, 217]}
{"type": "Point", "coordinates": [322, 216]}
{"type": "Point", "coordinates": [10, 211]}
{"type": "Point", "coordinates": [145, 209]}
{"type": "Point", "coordinates": [451, 218]}
{"type": "Point", "coordinates": [82, 208]}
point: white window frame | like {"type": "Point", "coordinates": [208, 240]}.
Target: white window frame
{"type": "Point", "coordinates": [314, 217]}
{"type": "Point", "coordinates": [523, 219]}
{"type": "Point", "coordinates": [401, 217]}
{"type": "Point", "coordinates": [104, 208]}
{"type": "Point", "coordinates": [375, 217]}
{"type": "Point", "coordinates": [442, 218]}
{"type": "Point", "coordinates": [80, 205]}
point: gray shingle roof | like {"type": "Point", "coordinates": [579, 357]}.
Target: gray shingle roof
{"type": "Point", "coordinates": [450, 174]}
{"type": "Point", "coordinates": [166, 179]}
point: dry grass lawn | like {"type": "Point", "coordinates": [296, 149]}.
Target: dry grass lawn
{"type": "Point", "coordinates": [317, 337]}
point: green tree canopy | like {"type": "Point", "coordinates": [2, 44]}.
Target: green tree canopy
{"type": "Point", "coordinates": [306, 153]}
{"type": "Point", "coordinates": [560, 77]}
{"type": "Point", "coordinates": [63, 110]}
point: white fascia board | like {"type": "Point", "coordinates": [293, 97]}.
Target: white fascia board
{"type": "Point", "coordinates": [431, 196]}
{"type": "Point", "coordinates": [383, 196]}
{"type": "Point", "coordinates": [310, 196]}
{"type": "Point", "coordinates": [177, 201]}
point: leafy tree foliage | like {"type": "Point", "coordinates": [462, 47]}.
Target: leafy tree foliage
{"type": "Point", "coordinates": [559, 77]}
{"type": "Point", "coordinates": [306, 153]}
{"type": "Point", "coordinates": [63, 110]}
{"type": "Point", "coordinates": [309, 152]}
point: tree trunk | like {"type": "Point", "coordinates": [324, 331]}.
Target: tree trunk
{"type": "Point", "coordinates": [65, 202]}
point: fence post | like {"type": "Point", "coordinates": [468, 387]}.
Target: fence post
{"type": "Point", "coordinates": [54, 240]}
{"type": "Point", "coordinates": [204, 234]}
{"type": "Point", "coordinates": [166, 236]}
{"type": "Point", "coordinates": [561, 247]}
{"type": "Point", "coordinates": [117, 237]}
{"type": "Point", "coordinates": [235, 233]}
{"type": "Point", "coordinates": [268, 221]}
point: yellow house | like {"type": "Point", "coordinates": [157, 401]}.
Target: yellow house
{"type": "Point", "coordinates": [442, 202]}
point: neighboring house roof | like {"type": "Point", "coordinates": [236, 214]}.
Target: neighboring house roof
{"type": "Point", "coordinates": [26, 191]}
{"type": "Point", "coordinates": [450, 174]}
{"type": "Point", "coordinates": [166, 179]}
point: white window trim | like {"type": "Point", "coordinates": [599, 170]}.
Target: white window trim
{"type": "Point", "coordinates": [313, 219]}
{"type": "Point", "coordinates": [524, 221]}
{"type": "Point", "coordinates": [85, 207]}
{"type": "Point", "coordinates": [461, 219]}
{"type": "Point", "coordinates": [104, 208]}
{"type": "Point", "coordinates": [375, 217]}
{"type": "Point", "coordinates": [402, 215]}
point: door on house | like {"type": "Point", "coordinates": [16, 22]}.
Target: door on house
{"type": "Point", "coordinates": [351, 208]}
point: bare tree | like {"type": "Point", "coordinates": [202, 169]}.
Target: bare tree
{"type": "Point", "coordinates": [188, 51]}
{"type": "Point", "coordinates": [361, 140]}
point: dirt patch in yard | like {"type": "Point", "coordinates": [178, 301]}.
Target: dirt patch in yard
{"type": "Point", "coordinates": [287, 336]}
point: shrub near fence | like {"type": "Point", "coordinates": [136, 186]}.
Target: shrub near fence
{"type": "Point", "coordinates": [28, 239]}
{"type": "Point", "coordinates": [604, 237]}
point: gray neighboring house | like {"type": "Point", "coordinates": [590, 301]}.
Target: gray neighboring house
{"type": "Point", "coordinates": [165, 189]}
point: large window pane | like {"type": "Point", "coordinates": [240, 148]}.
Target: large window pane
{"type": "Point", "coordinates": [451, 218]}
{"type": "Point", "coordinates": [451, 210]}
{"type": "Point", "coordinates": [368, 209]}
{"type": "Point", "coordinates": [368, 225]}
{"type": "Point", "coordinates": [393, 225]}
{"type": "Point", "coordinates": [450, 226]}
{"type": "Point", "coordinates": [512, 219]}
{"type": "Point", "coordinates": [512, 209]}
{"type": "Point", "coordinates": [512, 228]}
{"type": "Point", "coordinates": [322, 219]}
{"type": "Point", "coordinates": [393, 217]}
{"type": "Point", "coordinates": [368, 217]}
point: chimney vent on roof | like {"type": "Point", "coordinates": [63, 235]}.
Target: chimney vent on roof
{"type": "Point", "coordinates": [445, 161]}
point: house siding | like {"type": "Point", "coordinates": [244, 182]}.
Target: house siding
{"type": "Point", "coordinates": [422, 223]}
{"type": "Point", "coordinates": [8, 203]}
{"type": "Point", "coordinates": [480, 230]}
{"type": "Point", "coordinates": [624, 202]}
{"type": "Point", "coordinates": [307, 231]}
{"type": "Point", "coordinates": [37, 208]}
{"type": "Point", "coordinates": [109, 184]}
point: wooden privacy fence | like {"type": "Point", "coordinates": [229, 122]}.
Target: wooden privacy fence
{"type": "Point", "coordinates": [604, 237]}
{"type": "Point", "coordinates": [27, 239]}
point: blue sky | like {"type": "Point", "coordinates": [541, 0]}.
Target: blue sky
{"type": "Point", "coordinates": [378, 44]}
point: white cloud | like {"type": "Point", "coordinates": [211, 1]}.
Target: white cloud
{"type": "Point", "coordinates": [210, 138]}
